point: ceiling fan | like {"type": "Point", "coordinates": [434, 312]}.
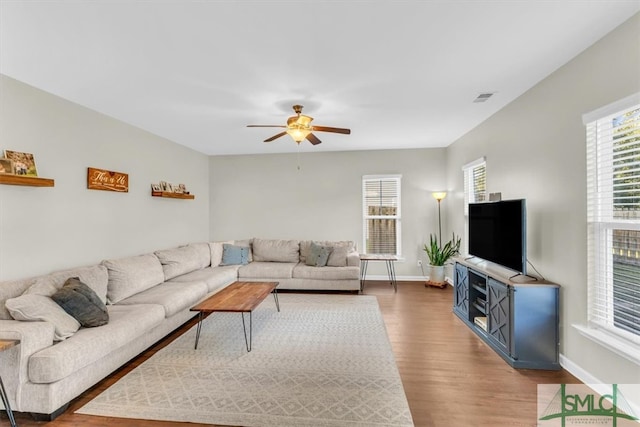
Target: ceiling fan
{"type": "Point", "coordinates": [299, 127]}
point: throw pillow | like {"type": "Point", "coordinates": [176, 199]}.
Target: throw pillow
{"type": "Point", "coordinates": [234, 255]}
{"type": "Point", "coordinates": [318, 255]}
{"type": "Point", "coordinates": [338, 257]}
{"type": "Point", "coordinates": [33, 307]}
{"type": "Point", "coordinates": [79, 301]}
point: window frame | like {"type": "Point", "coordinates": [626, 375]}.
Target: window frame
{"type": "Point", "coordinates": [397, 217]}
{"type": "Point", "coordinates": [601, 225]}
{"type": "Point", "coordinates": [468, 177]}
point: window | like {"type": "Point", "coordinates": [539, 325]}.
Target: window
{"type": "Point", "coordinates": [613, 219]}
{"type": "Point", "coordinates": [475, 190]}
{"type": "Point", "coordinates": [381, 214]}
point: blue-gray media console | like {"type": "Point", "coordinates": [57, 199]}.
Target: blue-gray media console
{"type": "Point", "coordinates": [516, 316]}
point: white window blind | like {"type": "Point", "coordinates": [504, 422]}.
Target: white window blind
{"type": "Point", "coordinates": [475, 190]}
{"type": "Point", "coordinates": [381, 214]}
{"type": "Point", "coordinates": [613, 218]}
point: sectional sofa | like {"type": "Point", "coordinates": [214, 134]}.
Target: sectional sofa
{"type": "Point", "coordinates": [146, 297]}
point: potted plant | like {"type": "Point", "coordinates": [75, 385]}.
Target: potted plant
{"type": "Point", "coordinates": [438, 256]}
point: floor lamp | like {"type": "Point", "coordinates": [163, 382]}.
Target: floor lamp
{"type": "Point", "coordinates": [439, 195]}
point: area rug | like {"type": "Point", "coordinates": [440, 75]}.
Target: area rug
{"type": "Point", "coordinates": [323, 360]}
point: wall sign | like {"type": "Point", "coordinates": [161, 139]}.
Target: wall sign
{"type": "Point", "coordinates": [100, 179]}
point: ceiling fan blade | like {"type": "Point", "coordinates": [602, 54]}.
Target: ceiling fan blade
{"type": "Point", "coordinates": [313, 139]}
{"type": "Point", "coordinates": [330, 129]}
{"type": "Point", "coordinates": [266, 126]}
{"type": "Point", "coordinates": [275, 136]}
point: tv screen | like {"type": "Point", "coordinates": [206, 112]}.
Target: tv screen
{"type": "Point", "coordinates": [498, 233]}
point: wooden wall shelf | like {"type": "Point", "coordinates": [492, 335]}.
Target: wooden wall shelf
{"type": "Point", "coordinates": [171, 195]}
{"type": "Point", "coordinates": [30, 181]}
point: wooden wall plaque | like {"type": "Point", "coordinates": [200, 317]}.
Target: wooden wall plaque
{"type": "Point", "coordinates": [100, 179]}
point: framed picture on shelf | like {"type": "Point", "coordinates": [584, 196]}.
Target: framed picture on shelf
{"type": "Point", "coordinates": [156, 188]}
{"type": "Point", "coordinates": [23, 163]}
{"type": "Point", "coordinates": [183, 189]}
{"type": "Point", "coordinates": [163, 186]}
{"type": "Point", "coordinates": [6, 166]}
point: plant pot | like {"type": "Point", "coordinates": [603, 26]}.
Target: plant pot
{"type": "Point", "coordinates": [436, 276]}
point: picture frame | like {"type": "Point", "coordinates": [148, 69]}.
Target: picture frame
{"type": "Point", "coordinates": [7, 167]}
{"type": "Point", "coordinates": [164, 186]}
{"type": "Point", "coordinates": [156, 188]}
{"type": "Point", "coordinates": [23, 163]}
{"type": "Point", "coordinates": [177, 189]}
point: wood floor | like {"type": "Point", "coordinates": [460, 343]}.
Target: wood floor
{"type": "Point", "coordinates": [451, 378]}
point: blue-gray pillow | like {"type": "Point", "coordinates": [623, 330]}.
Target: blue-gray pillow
{"type": "Point", "coordinates": [82, 303]}
{"type": "Point", "coordinates": [318, 255]}
{"type": "Point", "coordinates": [234, 255]}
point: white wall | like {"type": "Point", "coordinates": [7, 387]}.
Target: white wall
{"type": "Point", "coordinates": [535, 149]}
{"type": "Point", "coordinates": [46, 229]}
{"type": "Point", "coordinates": [271, 198]}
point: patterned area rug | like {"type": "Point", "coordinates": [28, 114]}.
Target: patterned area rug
{"type": "Point", "coordinates": [324, 360]}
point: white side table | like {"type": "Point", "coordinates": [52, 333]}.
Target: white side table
{"type": "Point", "coordinates": [389, 259]}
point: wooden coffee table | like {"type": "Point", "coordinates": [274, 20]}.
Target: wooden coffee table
{"type": "Point", "coordinates": [238, 297]}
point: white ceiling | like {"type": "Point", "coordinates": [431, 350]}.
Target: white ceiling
{"type": "Point", "coordinates": [400, 74]}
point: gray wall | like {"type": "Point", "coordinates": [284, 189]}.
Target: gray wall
{"type": "Point", "coordinates": [271, 198]}
{"type": "Point", "coordinates": [46, 229]}
{"type": "Point", "coordinates": [535, 149]}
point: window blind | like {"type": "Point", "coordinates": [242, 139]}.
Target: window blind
{"type": "Point", "coordinates": [613, 221]}
{"type": "Point", "coordinates": [381, 214]}
{"type": "Point", "coordinates": [475, 190]}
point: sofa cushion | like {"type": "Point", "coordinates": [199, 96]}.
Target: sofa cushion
{"type": "Point", "coordinates": [234, 255]}
{"type": "Point", "coordinates": [318, 255]}
{"type": "Point", "coordinates": [128, 276]}
{"type": "Point", "coordinates": [302, 271]}
{"type": "Point", "coordinates": [276, 250]}
{"type": "Point", "coordinates": [338, 256]}
{"type": "Point", "coordinates": [203, 254]}
{"type": "Point", "coordinates": [89, 345]}
{"type": "Point", "coordinates": [181, 260]}
{"type": "Point", "coordinates": [79, 301]}
{"type": "Point", "coordinates": [95, 277]}
{"type": "Point", "coordinates": [246, 243]}
{"type": "Point", "coordinates": [305, 247]}
{"type": "Point", "coordinates": [173, 296]}
{"type": "Point", "coordinates": [12, 289]}
{"type": "Point", "coordinates": [216, 252]}
{"type": "Point", "coordinates": [33, 307]}
{"type": "Point", "coordinates": [266, 270]}
{"type": "Point", "coordinates": [214, 277]}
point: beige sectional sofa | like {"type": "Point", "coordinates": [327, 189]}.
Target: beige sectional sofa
{"type": "Point", "coordinates": [147, 296]}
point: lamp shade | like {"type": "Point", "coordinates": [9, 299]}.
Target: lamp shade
{"type": "Point", "coordinates": [439, 195]}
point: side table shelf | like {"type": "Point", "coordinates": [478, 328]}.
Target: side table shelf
{"type": "Point", "coordinates": [30, 181]}
{"type": "Point", "coordinates": [171, 195]}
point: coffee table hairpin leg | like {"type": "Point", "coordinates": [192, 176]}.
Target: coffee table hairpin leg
{"type": "Point", "coordinates": [200, 316]}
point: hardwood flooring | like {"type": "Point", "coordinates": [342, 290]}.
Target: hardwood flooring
{"type": "Point", "coordinates": [451, 378]}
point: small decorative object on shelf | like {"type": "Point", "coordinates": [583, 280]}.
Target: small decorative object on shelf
{"type": "Point", "coordinates": [23, 163]}
{"type": "Point", "coordinates": [172, 191]}
{"type": "Point", "coordinates": [100, 179]}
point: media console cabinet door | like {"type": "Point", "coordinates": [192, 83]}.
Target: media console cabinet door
{"type": "Point", "coordinates": [499, 313]}
{"type": "Point", "coordinates": [461, 296]}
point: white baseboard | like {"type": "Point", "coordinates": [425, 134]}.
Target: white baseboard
{"type": "Point", "coordinates": [597, 385]}
{"type": "Point", "coordinates": [405, 278]}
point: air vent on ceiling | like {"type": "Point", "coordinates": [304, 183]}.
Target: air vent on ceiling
{"type": "Point", "coordinates": [483, 97]}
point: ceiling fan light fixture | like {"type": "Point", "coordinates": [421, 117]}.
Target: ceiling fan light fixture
{"type": "Point", "coordinates": [298, 134]}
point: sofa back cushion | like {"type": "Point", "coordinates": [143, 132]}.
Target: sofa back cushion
{"type": "Point", "coordinates": [184, 259]}
{"type": "Point", "coordinates": [128, 276]}
{"type": "Point", "coordinates": [276, 250]}
{"type": "Point", "coordinates": [95, 277]}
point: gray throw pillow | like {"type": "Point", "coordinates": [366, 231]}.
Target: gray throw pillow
{"type": "Point", "coordinates": [234, 255]}
{"type": "Point", "coordinates": [82, 303]}
{"type": "Point", "coordinates": [318, 255]}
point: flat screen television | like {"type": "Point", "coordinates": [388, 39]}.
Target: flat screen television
{"type": "Point", "coordinates": [498, 233]}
